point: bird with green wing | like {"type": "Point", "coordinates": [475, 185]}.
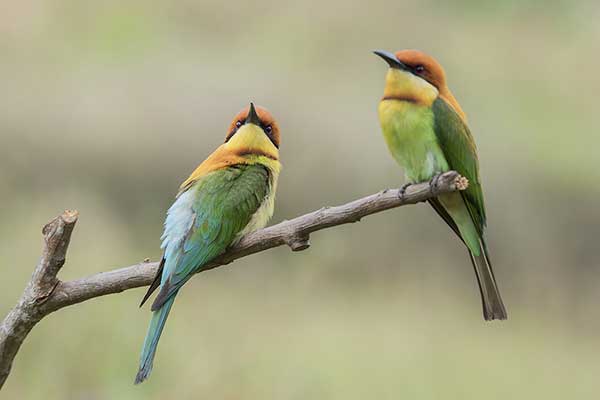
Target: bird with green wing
{"type": "Point", "coordinates": [229, 195]}
{"type": "Point", "coordinates": [427, 134]}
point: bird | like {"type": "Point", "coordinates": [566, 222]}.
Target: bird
{"type": "Point", "coordinates": [230, 194]}
{"type": "Point", "coordinates": [427, 134]}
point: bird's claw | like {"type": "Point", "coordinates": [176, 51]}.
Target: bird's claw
{"type": "Point", "coordinates": [402, 190]}
{"type": "Point", "coordinates": [434, 181]}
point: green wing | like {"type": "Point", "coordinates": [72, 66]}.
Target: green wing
{"type": "Point", "coordinates": [459, 149]}
{"type": "Point", "coordinates": [223, 203]}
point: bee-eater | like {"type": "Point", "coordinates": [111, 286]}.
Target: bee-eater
{"type": "Point", "coordinates": [230, 194]}
{"type": "Point", "coordinates": [427, 133]}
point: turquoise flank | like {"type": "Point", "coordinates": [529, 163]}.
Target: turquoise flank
{"type": "Point", "coordinates": [408, 129]}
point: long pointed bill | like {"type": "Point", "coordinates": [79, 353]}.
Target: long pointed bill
{"type": "Point", "coordinates": [252, 117]}
{"type": "Point", "coordinates": [391, 59]}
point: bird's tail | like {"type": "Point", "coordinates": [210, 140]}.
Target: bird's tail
{"type": "Point", "coordinates": [493, 307]}
{"type": "Point", "coordinates": [159, 317]}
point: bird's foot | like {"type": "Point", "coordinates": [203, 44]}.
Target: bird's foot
{"type": "Point", "coordinates": [434, 182]}
{"type": "Point", "coordinates": [402, 190]}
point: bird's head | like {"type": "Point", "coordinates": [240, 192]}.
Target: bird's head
{"type": "Point", "coordinates": [253, 131]}
{"type": "Point", "coordinates": [412, 76]}
{"type": "Point", "coordinates": [417, 77]}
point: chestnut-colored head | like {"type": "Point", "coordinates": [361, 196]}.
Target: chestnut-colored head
{"type": "Point", "coordinates": [253, 136]}
{"type": "Point", "coordinates": [258, 116]}
{"type": "Point", "coordinates": [424, 66]}
{"type": "Point", "coordinates": [417, 77]}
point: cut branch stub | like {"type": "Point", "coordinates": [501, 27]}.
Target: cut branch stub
{"type": "Point", "coordinates": [57, 235]}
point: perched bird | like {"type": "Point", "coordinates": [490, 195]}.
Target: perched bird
{"type": "Point", "coordinates": [230, 194]}
{"type": "Point", "coordinates": [426, 131]}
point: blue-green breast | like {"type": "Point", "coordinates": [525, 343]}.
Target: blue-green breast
{"type": "Point", "coordinates": [408, 129]}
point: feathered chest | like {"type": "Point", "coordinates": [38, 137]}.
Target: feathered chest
{"type": "Point", "coordinates": [408, 129]}
{"type": "Point", "coordinates": [263, 214]}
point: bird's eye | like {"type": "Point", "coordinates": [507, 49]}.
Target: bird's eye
{"type": "Point", "coordinates": [238, 124]}
{"type": "Point", "coordinates": [268, 129]}
{"type": "Point", "coordinates": [419, 69]}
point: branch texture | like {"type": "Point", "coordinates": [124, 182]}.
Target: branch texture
{"type": "Point", "coordinates": [45, 293]}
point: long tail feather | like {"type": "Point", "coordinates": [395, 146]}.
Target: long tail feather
{"type": "Point", "coordinates": [157, 324]}
{"type": "Point", "coordinates": [493, 307]}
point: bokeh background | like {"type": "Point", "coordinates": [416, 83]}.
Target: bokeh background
{"type": "Point", "coordinates": [106, 107]}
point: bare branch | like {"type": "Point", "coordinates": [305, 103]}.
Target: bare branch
{"type": "Point", "coordinates": [45, 293]}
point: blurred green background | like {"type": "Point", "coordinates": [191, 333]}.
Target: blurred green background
{"type": "Point", "coordinates": [107, 106]}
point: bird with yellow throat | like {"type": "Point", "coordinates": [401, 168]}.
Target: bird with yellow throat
{"type": "Point", "coordinates": [427, 133]}
{"type": "Point", "coordinates": [230, 194]}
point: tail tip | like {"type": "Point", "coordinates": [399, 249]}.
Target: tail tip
{"type": "Point", "coordinates": [498, 315]}
{"type": "Point", "coordinates": [142, 375]}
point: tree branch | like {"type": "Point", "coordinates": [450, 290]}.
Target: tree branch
{"type": "Point", "coordinates": [45, 293]}
{"type": "Point", "coordinates": [30, 308]}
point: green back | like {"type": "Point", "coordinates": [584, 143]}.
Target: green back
{"type": "Point", "coordinates": [223, 203]}
{"type": "Point", "coordinates": [460, 152]}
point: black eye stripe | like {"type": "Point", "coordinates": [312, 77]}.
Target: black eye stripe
{"type": "Point", "coordinates": [269, 131]}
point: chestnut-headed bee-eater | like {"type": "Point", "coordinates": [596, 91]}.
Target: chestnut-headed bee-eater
{"type": "Point", "coordinates": [230, 194]}
{"type": "Point", "coordinates": [427, 133]}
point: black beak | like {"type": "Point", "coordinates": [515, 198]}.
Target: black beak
{"type": "Point", "coordinates": [252, 117]}
{"type": "Point", "coordinates": [391, 59]}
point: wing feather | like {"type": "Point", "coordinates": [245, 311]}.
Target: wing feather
{"type": "Point", "coordinates": [460, 151]}
{"type": "Point", "coordinates": [224, 201]}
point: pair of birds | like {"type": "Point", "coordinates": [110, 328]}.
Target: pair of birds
{"type": "Point", "coordinates": [233, 191]}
